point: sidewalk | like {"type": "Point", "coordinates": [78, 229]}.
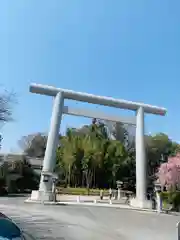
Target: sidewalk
{"type": "Point", "coordinates": [89, 203]}
{"type": "Point", "coordinates": [84, 203]}
{"type": "Point", "coordinates": [92, 199]}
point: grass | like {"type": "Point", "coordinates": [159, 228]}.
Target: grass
{"type": "Point", "coordinates": [84, 191]}
{"type": "Point", "coordinates": [81, 191]}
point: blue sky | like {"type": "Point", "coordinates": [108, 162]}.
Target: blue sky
{"type": "Point", "coordinates": [124, 49]}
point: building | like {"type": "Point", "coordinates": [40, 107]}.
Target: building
{"type": "Point", "coordinates": [36, 163]}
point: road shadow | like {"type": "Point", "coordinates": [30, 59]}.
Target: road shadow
{"type": "Point", "coordinates": [13, 195]}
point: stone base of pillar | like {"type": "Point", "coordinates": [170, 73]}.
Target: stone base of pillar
{"type": "Point", "coordinates": [136, 203]}
{"type": "Point", "coordinates": [41, 196]}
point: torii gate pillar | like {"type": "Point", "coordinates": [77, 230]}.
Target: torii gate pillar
{"type": "Point", "coordinates": [52, 144]}
{"type": "Point", "coordinates": [141, 169]}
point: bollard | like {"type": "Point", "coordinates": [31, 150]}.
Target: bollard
{"type": "Point", "coordinates": [101, 194]}
{"type": "Point", "coordinates": [56, 194]}
{"type": "Point", "coordinates": [78, 199]}
{"type": "Point", "coordinates": [178, 230]}
{"type": "Point", "coordinates": [119, 194]}
{"type": "Point", "coordinates": [159, 203]}
{"type": "Point", "coordinates": [110, 202]}
{"type": "Point", "coordinates": [95, 201]}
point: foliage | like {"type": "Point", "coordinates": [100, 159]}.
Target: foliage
{"type": "Point", "coordinates": [6, 100]}
{"type": "Point", "coordinates": [34, 145]}
{"type": "Point", "coordinates": [169, 172]}
{"type": "Point", "coordinates": [1, 138]}
{"type": "Point", "coordinates": [82, 191]}
{"type": "Point", "coordinates": [29, 178]}
{"type": "Point", "coordinates": [90, 158]}
{"type": "Point", "coordinates": [99, 154]}
{"type": "Point", "coordinates": [26, 177]}
{"type": "Point", "coordinates": [159, 148]}
{"type": "Point", "coordinates": [171, 198]}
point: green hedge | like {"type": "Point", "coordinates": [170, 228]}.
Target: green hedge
{"type": "Point", "coordinates": [85, 191]}
{"type": "Point", "coordinates": [171, 198]}
{"type": "Point", "coordinates": [81, 191]}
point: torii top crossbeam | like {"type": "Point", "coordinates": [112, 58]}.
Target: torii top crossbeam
{"type": "Point", "coordinates": [101, 100]}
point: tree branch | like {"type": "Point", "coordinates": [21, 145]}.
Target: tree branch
{"type": "Point", "coordinates": [6, 100]}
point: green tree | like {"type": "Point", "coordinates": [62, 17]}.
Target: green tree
{"type": "Point", "coordinates": [17, 173]}
{"type": "Point", "coordinates": [159, 148]}
{"type": "Point", "coordinates": [91, 157]}
{"type": "Point", "coordinates": [69, 151]}
{"type": "Point", "coordinates": [89, 153]}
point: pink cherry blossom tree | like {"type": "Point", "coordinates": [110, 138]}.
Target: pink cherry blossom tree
{"type": "Point", "coordinates": [169, 172]}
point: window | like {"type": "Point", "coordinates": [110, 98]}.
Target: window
{"type": "Point", "coordinates": [8, 230]}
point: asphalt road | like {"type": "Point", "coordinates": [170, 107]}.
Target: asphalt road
{"type": "Point", "coordinates": [90, 223]}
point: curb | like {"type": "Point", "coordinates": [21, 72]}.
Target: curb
{"type": "Point", "coordinates": [84, 204]}
{"type": "Point", "coordinates": [105, 205]}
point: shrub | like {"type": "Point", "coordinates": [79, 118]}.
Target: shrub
{"type": "Point", "coordinates": [81, 191]}
{"type": "Point", "coordinates": [171, 197]}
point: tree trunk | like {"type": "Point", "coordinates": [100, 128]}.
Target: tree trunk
{"type": "Point", "coordinates": [94, 178]}
{"type": "Point", "coordinates": [69, 175]}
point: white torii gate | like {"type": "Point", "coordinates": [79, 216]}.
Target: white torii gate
{"type": "Point", "coordinates": [45, 188]}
